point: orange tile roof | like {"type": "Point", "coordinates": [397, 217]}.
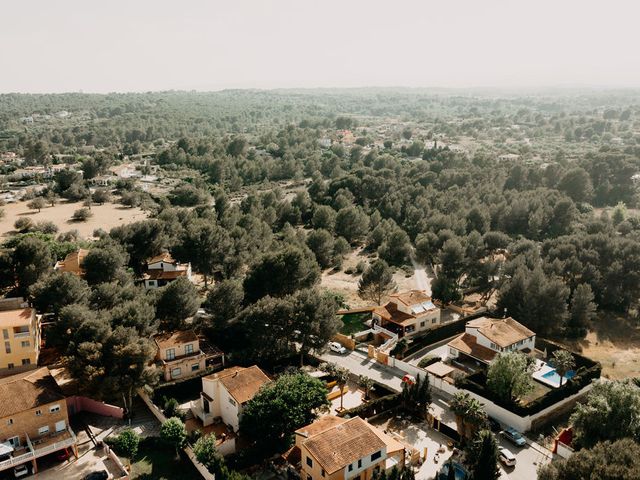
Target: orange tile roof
{"type": "Point", "coordinates": [320, 425]}
{"type": "Point", "coordinates": [390, 313]}
{"type": "Point", "coordinates": [168, 340]}
{"type": "Point", "coordinates": [28, 390]}
{"type": "Point", "coordinates": [343, 444]}
{"type": "Point", "coordinates": [72, 263]}
{"type": "Point", "coordinates": [411, 297]}
{"type": "Point", "coordinates": [162, 275]}
{"type": "Point", "coordinates": [241, 383]}
{"type": "Point", "coordinates": [467, 344]}
{"type": "Point", "coordinates": [501, 331]}
{"type": "Point", "coordinates": [162, 257]}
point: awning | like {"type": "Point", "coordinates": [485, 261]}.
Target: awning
{"type": "Point", "coordinates": [5, 449]}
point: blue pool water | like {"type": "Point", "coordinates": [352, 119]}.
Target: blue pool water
{"type": "Point", "coordinates": [553, 376]}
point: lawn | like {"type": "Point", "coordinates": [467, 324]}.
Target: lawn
{"type": "Point", "coordinates": [354, 322]}
{"type": "Point", "coordinates": [156, 462]}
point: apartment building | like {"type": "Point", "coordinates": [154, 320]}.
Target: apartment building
{"type": "Point", "coordinates": [20, 328]}
{"type": "Point", "coordinates": [182, 354]}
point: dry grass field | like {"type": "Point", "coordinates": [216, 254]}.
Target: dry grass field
{"type": "Point", "coordinates": [104, 216]}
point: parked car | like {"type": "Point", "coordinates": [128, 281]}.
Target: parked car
{"type": "Point", "coordinates": [98, 475]}
{"type": "Point", "coordinates": [514, 437]}
{"type": "Point", "coordinates": [507, 458]}
{"type": "Point", "coordinates": [494, 425]}
{"type": "Point", "coordinates": [21, 471]}
{"type": "Point", "coordinates": [62, 454]}
{"type": "Point", "coordinates": [336, 347]}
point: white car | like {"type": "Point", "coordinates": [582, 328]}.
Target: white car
{"type": "Point", "coordinates": [507, 458]}
{"type": "Point", "coordinates": [336, 347]}
{"type": "Point", "coordinates": [21, 471]}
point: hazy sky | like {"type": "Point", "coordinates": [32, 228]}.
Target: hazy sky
{"type": "Point", "coordinates": [139, 45]}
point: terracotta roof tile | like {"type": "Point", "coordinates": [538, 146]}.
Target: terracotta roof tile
{"type": "Point", "coordinates": [241, 383]}
{"type": "Point", "coordinates": [466, 343]}
{"type": "Point", "coordinates": [27, 390]}
{"type": "Point", "coordinates": [168, 340]}
{"type": "Point", "coordinates": [72, 263]}
{"type": "Point", "coordinates": [411, 297]}
{"type": "Point", "coordinates": [501, 331]}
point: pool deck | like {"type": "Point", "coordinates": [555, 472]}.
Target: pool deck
{"type": "Point", "coordinates": [542, 369]}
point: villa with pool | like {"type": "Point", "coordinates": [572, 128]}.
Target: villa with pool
{"type": "Point", "coordinates": [484, 338]}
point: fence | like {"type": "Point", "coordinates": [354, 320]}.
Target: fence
{"type": "Point", "coordinates": [77, 404]}
{"type": "Point", "coordinates": [124, 473]}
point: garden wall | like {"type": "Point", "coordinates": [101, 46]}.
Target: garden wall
{"type": "Point", "coordinates": [77, 404]}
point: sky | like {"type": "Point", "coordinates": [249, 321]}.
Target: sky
{"type": "Point", "coordinates": [145, 45]}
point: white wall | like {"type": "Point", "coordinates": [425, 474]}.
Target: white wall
{"type": "Point", "coordinates": [366, 463]}
{"type": "Point", "coordinates": [565, 451]}
{"type": "Point", "coordinates": [230, 413]}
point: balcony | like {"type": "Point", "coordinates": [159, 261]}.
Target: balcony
{"type": "Point", "coordinates": [21, 334]}
{"type": "Point", "coordinates": [41, 447]}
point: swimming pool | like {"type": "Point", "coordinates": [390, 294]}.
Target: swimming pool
{"type": "Point", "coordinates": [546, 373]}
{"type": "Point", "coordinates": [554, 377]}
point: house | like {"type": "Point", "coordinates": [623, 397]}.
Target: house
{"type": "Point", "coordinates": [334, 448]}
{"type": "Point", "coordinates": [72, 263]}
{"type": "Point", "coordinates": [21, 334]}
{"type": "Point", "coordinates": [485, 337]}
{"type": "Point", "coordinates": [34, 419]}
{"type": "Point", "coordinates": [224, 395]}
{"type": "Point", "coordinates": [408, 313]}
{"type": "Point", "coordinates": [509, 157]}
{"type": "Point", "coordinates": [163, 269]}
{"type": "Point", "coordinates": [182, 354]}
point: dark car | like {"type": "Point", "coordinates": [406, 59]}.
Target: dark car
{"type": "Point", "coordinates": [493, 424]}
{"type": "Point", "coordinates": [101, 475]}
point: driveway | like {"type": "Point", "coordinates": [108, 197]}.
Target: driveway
{"type": "Point", "coordinates": [359, 364]}
{"type": "Point", "coordinates": [528, 459]}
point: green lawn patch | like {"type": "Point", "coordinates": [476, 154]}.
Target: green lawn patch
{"type": "Point", "coordinates": [155, 461]}
{"type": "Point", "coordinates": [354, 322]}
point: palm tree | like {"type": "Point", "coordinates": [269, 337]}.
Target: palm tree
{"type": "Point", "coordinates": [470, 414]}
{"type": "Point", "coordinates": [366, 384]}
{"type": "Point", "coordinates": [563, 362]}
{"type": "Point", "coordinates": [340, 374]}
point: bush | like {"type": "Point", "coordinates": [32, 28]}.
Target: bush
{"type": "Point", "coordinates": [171, 408]}
{"type": "Point", "coordinates": [46, 227]}
{"type": "Point", "coordinates": [429, 360]}
{"type": "Point", "coordinates": [81, 215]}
{"type": "Point", "coordinates": [23, 224]}
{"type": "Point", "coordinates": [126, 444]}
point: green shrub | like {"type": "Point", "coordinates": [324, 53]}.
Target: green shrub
{"type": "Point", "coordinates": [126, 444]}
{"type": "Point", "coordinates": [429, 360]}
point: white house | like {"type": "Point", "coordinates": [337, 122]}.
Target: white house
{"type": "Point", "coordinates": [485, 337]}
{"type": "Point", "coordinates": [224, 395]}
{"type": "Point", "coordinates": [163, 269]}
{"type": "Point", "coordinates": [408, 313]}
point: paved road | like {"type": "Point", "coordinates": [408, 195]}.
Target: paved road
{"type": "Point", "coordinates": [528, 459]}
{"type": "Point", "coordinates": [359, 364]}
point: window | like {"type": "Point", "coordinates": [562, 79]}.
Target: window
{"type": "Point", "coordinates": [188, 349]}
{"type": "Point", "coordinates": [422, 324]}
{"type": "Point", "coordinates": [376, 455]}
{"type": "Point", "coordinates": [14, 441]}
{"type": "Point", "coordinates": [322, 472]}
{"type": "Point", "coordinates": [10, 366]}
{"type": "Point", "coordinates": [43, 430]}
{"type": "Point", "coordinates": [5, 333]}
{"type": "Point", "coordinates": [195, 366]}
{"type": "Point", "coordinates": [26, 361]}
{"type": "Point", "coordinates": [7, 347]}
{"type": "Point", "coordinates": [54, 408]}
{"type": "Point", "coordinates": [152, 283]}
{"type": "Point", "coordinates": [171, 353]}
{"type": "Point", "coordinates": [433, 320]}
{"type": "Point", "coordinates": [309, 462]}
{"type": "Point", "coordinates": [494, 346]}
{"type": "Point", "coordinates": [176, 372]}
{"type": "Point", "coordinates": [38, 413]}
{"type": "Point", "coordinates": [232, 402]}
{"type": "Point", "coordinates": [360, 463]}
{"type": "Point", "coordinates": [309, 477]}
{"type": "Point", "coordinates": [351, 467]}
{"type": "Point", "coordinates": [453, 351]}
{"type": "Point", "coordinates": [25, 344]}
{"type": "Point", "coordinates": [61, 426]}
{"type": "Point", "coordinates": [10, 421]}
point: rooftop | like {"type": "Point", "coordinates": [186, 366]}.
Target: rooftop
{"type": "Point", "coordinates": [162, 257]}
{"type": "Point", "coordinates": [162, 275]}
{"type": "Point", "coordinates": [501, 331]}
{"type": "Point", "coordinates": [412, 297]}
{"type": "Point", "coordinates": [72, 263]}
{"type": "Point", "coordinates": [16, 318]}
{"type": "Point", "coordinates": [168, 340]}
{"type": "Point", "coordinates": [241, 383]}
{"type": "Point", "coordinates": [27, 390]}
{"type": "Point", "coordinates": [467, 344]}
{"type": "Point", "coordinates": [343, 444]}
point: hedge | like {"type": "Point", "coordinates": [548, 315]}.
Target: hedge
{"type": "Point", "coordinates": [374, 407]}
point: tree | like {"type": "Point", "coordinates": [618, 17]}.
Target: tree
{"type": "Point", "coordinates": [339, 374]}
{"type": "Point", "coordinates": [81, 215]}
{"type": "Point", "coordinates": [126, 443]}
{"type": "Point", "coordinates": [352, 223]}
{"type": "Point", "coordinates": [482, 457]}
{"type": "Point", "coordinates": [376, 282]}
{"type": "Point", "coordinates": [324, 217]}
{"type": "Point", "coordinates": [470, 414]}
{"type": "Point", "coordinates": [224, 301]}
{"type": "Point", "coordinates": [576, 183]}
{"type": "Point", "coordinates": [31, 261]}
{"type": "Point", "coordinates": [563, 362]}
{"type": "Point", "coordinates": [173, 433]}
{"type": "Point", "coordinates": [206, 452]}
{"type": "Point", "coordinates": [281, 273]}
{"type": "Point", "coordinates": [320, 242]}
{"type": "Point", "coordinates": [611, 412]}
{"type": "Point", "coordinates": [416, 397]}
{"type": "Point", "coordinates": [366, 384]}
{"type": "Point", "coordinates": [141, 240]}
{"type": "Point", "coordinates": [70, 318]}
{"type": "Point", "coordinates": [37, 203]}
{"type": "Point", "coordinates": [509, 376]}
{"type": "Point", "coordinates": [281, 407]}
{"type": "Point", "coordinates": [101, 196]}
{"type": "Point", "coordinates": [176, 302]}
{"type": "Point", "coordinates": [103, 263]}
{"type": "Point", "coordinates": [619, 460]}
{"type": "Point", "coordinates": [583, 308]}
{"type": "Point", "coordinates": [55, 291]}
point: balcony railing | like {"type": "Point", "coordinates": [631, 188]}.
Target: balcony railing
{"type": "Point", "coordinates": [21, 334]}
{"type": "Point", "coordinates": [36, 452]}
